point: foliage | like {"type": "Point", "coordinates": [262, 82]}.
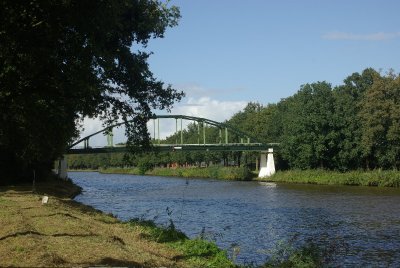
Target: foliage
{"type": "Point", "coordinates": [347, 122]}
{"type": "Point", "coordinates": [354, 126]}
{"type": "Point", "coordinates": [380, 117]}
{"type": "Point", "coordinates": [382, 178]}
{"type": "Point", "coordinates": [308, 136]}
{"type": "Point", "coordinates": [63, 60]}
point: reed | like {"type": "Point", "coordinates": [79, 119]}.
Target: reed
{"type": "Point", "coordinates": [214, 172]}
{"type": "Point", "coordinates": [381, 178]}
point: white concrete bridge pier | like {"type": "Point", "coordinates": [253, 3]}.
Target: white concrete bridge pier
{"type": "Point", "coordinates": [267, 164]}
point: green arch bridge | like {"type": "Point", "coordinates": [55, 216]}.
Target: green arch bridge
{"type": "Point", "coordinates": [242, 141]}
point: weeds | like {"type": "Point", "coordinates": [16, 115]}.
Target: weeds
{"type": "Point", "coordinates": [308, 254]}
{"type": "Point", "coordinates": [198, 252]}
{"type": "Point", "coordinates": [382, 178]}
{"type": "Point", "coordinates": [214, 172]}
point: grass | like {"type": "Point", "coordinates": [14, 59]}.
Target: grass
{"type": "Point", "coordinates": [198, 252]}
{"type": "Point", "coordinates": [66, 233]}
{"type": "Point", "coordinates": [215, 172]}
{"type": "Point", "coordinates": [382, 178]}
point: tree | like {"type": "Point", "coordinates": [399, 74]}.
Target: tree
{"type": "Point", "coordinates": [380, 122]}
{"type": "Point", "coordinates": [347, 121]}
{"type": "Point", "coordinates": [308, 138]}
{"type": "Point", "coordinates": [63, 60]}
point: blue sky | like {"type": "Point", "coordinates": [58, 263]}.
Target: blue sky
{"type": "Point", "coordinates": [225, 53]}
{"type": "Point", "coordinates": [263, 51]}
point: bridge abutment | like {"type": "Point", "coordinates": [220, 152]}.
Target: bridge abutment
{"type": "Point", "coordinates": [267, 164]}
{"type": "Point", "coordinates": [62, 168]}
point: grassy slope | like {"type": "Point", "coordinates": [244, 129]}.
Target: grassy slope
{"type": "Point", "coordinates": [66, 233]}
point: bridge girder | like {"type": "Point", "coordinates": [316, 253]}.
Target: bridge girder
{"type": "Point", "coordinates": [254, 146]}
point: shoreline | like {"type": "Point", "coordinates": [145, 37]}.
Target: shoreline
{"type": "Point", "coordinates": [64, 232]}
{"type": "Point", "coordinates": [213, 172]}
{"type": "Point", "coordinates": [372, 178]}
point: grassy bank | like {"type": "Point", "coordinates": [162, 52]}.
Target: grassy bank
{"type": "Point", "coordinates": [387, 178]}
{"type": "Point", "coordinates": [66, 233]}
{"type": "Point", "coordinates": [215, 172]}
{"type": "Point", "coordinates": [381, 178]}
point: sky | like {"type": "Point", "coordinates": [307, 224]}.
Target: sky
{"type": "Point", "coordinates": [226, 53]}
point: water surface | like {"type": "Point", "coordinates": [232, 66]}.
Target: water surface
{"type": "Point", "coordinates": [255, 216]}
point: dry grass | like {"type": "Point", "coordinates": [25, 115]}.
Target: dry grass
{"type": "Point", "coordinates": [66, 233]}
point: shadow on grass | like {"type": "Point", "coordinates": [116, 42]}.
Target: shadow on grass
{"type": "Point", "coordinates": [120, 263]}
{"type": "Point", "coordinates": [50, 186]}
{"type": "Point", "coordinates": [41, 234]}
{"type": "Point", "coordinates": [55, 214]}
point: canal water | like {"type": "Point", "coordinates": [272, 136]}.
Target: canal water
{"type": "Point", "coordinates": [360, 224]}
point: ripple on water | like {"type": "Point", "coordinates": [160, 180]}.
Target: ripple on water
{"type": "Point", "coordinates": [254, 216]}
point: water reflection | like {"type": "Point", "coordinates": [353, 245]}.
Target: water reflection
{"type": "Point", "coordinates": [254, 216]}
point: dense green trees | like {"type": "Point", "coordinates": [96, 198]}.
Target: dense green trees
{"type": "Point", "coordinates": [352, 126]}
{"type": "Point", "coordinates": [355, 125]}
{"type": "Point", "coordinates": [63, 60]}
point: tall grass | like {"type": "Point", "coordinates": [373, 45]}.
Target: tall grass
{"type": "Point", "coordinates": [197, 252]}
{"type": "Point", "coordinates": [382, 178]}
{"type": "Point", "coordinates": [215, 172]}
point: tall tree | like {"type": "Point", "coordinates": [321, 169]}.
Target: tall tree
{"type": "Point", "coordinates": [347, 122]}
{"type": "Point", "coordinates": [308, 139]}
{"type": "Point", "coordinates": [63, 60]}
{"type": "Point", "coordinates": [380, 119]}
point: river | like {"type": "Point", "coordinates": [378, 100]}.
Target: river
{"type": "Point", "coordinates": [362, 224]}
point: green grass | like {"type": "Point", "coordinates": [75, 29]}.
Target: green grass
{"type": "Point", "coordinates": [381, 178]}
{"type": "Point", "coordinates": [117, 170]}
{"type": "Point", "coordinates": [196, 252]}
{"type": "Point", "coordinates": [215, 172]}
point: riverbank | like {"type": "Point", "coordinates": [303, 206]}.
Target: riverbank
{"type": "Point", "coordinates": [66, 233]}
{"type": "Point", "coordinates": [381, 178]}
{"type": "Point", "coordinates": [214, 172]}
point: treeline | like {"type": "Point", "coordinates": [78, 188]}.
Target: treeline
{"type": "Point", "coordinates": [352, 126]}
{"type": "Point", "coordinates": [355, 125]}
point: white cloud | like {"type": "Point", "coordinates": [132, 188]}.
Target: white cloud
{"type": "Point", "coordinates": [203, 107]}
{"type": "Point", "coordinates": [209, 108]}
{"type": "Point", "coordinates": [381, 36]}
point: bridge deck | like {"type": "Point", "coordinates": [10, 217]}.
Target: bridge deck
{"type": "Point", "coordinates": [180, 147]}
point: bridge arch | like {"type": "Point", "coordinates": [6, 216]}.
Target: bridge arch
{"type": "Point", "coordinates": [267, 166]}
{"type": "Point", "coordinates": [199, 120]}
